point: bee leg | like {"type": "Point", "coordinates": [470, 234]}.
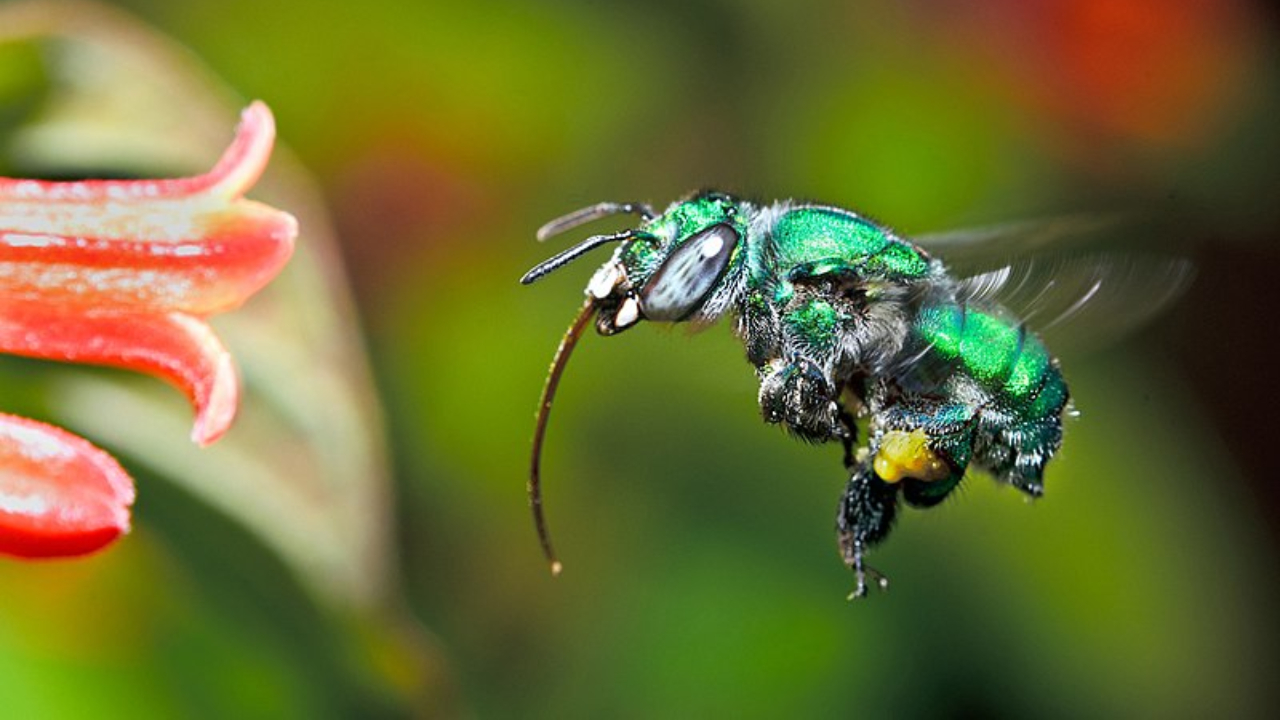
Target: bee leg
{"type": "Point", "coordinates": [866, 515]}
{"type": "Point", "coordinates": [799, 395]}
{"type": "Point", "coordinates": [848, 432]}
{"type": "Point", "coordinates": [925, 446]}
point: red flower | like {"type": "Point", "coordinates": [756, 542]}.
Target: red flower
{"type": "Point", "coordinates": [123, 273]}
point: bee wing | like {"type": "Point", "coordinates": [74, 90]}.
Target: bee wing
{"type": "Point", "coordinates": [968, 250]}
{"type": "Point", "coordinates": [1075, 279]}
{"type": "Point", "coordinates": [1085, 300]}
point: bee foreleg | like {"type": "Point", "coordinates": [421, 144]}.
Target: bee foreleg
{"type": "Point", "coordinates": [798, 394]}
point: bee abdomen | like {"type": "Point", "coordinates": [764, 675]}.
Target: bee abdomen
{"type": "Point", "coordinates": [1002, 357]}
{"type": "Point", "coordinates": [1006, 375]}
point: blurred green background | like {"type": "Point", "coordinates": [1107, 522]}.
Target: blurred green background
{"type": "Point", "coordinates": [701, 576]}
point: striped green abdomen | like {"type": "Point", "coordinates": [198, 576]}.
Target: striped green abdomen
{"type": "Point", "coordinates": [1002, 357]}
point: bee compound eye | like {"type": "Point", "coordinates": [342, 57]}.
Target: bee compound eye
{"type": "Point", "coordinates": [688, 276]}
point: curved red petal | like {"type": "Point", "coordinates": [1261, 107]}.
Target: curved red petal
{"type": "Point", "coordinates": [235, 253]}
{"type": "Point", "coordinates": [179, 348]}
{"type": "Point", "coordinates": [59, 495]}
{"type": "Point", "coordinates": [238, 169]}
{"type": "Point", "coordinates": [191, 245]}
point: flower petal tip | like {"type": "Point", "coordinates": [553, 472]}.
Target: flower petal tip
{"type": "Point", "coordinates": [246, 158]}
{"type": "Point", "coordinates": [217, 409]}
{"type": "Point", "coordinates": [59, 495]}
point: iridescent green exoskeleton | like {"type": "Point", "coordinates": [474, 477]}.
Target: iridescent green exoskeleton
{"type": "Point", "coordinates": [841, 319]}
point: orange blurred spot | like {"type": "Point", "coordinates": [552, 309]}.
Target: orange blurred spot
{"type": "Point", "coordinates": [1159, 71]}
{"type": "Point", "coordinates": [1155, 70]}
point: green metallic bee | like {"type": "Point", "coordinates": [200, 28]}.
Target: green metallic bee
{"type": "Point", "coordinates": [841, 318]}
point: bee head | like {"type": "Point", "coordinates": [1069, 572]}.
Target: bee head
{"type": "Point", "coordinates": [683, 265]}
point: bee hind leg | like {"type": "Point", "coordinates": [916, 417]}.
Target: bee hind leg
{"type": "Point", "coordinates": [867, 511]}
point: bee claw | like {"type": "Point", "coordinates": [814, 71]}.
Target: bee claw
{"type": "Point", "coordinates": [853, 558]}
{"type": "Point", "coordinates": [882, 581]}
{"type": "Point", "coordinates": [860, 588]}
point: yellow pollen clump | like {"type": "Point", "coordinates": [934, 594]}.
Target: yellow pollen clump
{"type": "Point", "coordinates": [907, 455]}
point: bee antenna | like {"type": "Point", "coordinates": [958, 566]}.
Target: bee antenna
{"type": "Point", "coordinates": [573, 253]}
{"type": "Point", "coordinates": [590, 214]}
{"type": "Point", "coordinates": [540, 429]}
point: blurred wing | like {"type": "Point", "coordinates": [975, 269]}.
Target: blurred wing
{"type": "Point", "coordinates": [1082, 300]}
{"type": "Point", "coordinates": [970, 250]}
{"type": "Point", "coordinates": [1080, 279]}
